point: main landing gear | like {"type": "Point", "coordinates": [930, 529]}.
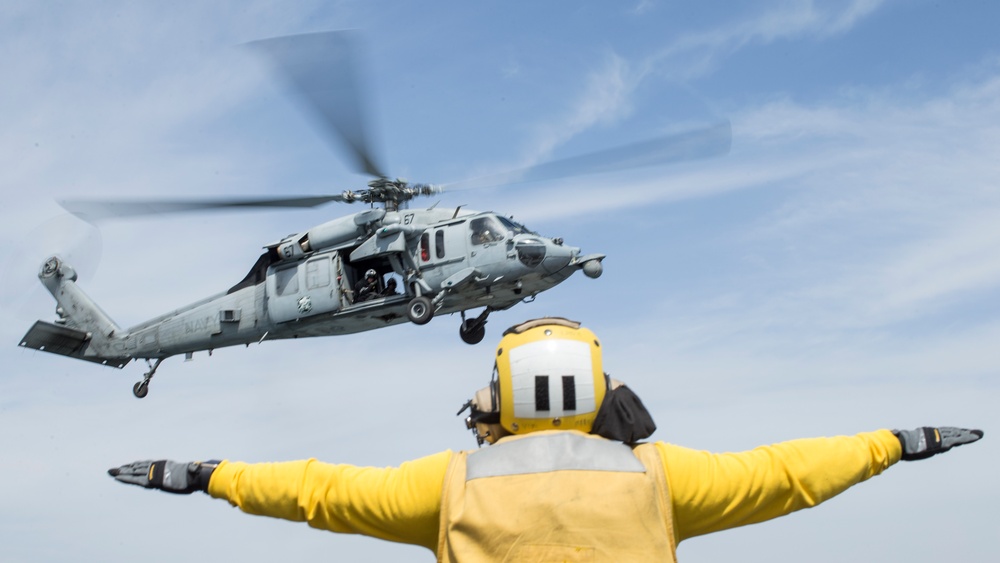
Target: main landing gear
{"type": "Point", "coordinates": [141, 388]}
{"type": "Point", "coordinates": [472, 331]}
{"type": "Point", "coordinates": [420, 310]}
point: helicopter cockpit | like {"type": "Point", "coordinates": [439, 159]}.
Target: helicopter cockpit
{"type": "Point", "coordinates": [494, 228]}
{"type": "Point", "coordinates": [486, 229]}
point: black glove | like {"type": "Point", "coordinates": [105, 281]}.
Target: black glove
{"type": "Point", "coordinates": [922, 443]}
{"type": "Point", "coordinates": [166, 475]}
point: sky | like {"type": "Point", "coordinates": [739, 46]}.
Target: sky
{"type": "Point", "coordinates": [837, 272]}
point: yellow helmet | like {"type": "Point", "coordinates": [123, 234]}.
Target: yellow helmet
{"type": "Point", "coordinates": [548, 376]}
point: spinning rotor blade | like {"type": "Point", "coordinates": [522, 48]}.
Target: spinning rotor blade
{"type": "Point", "coordinates": [696, 144]}
{"type": "Point", "coordinates": [320, 69]}
{"type": "Point", "coordinates": [91, 210]}
{"type": "Point", "coordinates": [691, 145]}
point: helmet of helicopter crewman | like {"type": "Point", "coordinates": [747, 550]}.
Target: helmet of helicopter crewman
{"type": "Point", "coordinates": [548, 376]}
{"type": "Point", "coordinates": [371, 273]}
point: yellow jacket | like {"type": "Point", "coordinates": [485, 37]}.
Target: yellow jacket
{"type": "Point", "coordinates": [707, 492]}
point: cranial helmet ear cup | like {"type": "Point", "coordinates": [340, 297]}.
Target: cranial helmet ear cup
{"type": "Point", "coordinates": [485, 417]}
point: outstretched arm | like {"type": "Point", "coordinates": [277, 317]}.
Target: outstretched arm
{"type": "Point", "coordinates": [712, 492]}
{"type": "Point", "coordinates": [400, 504]}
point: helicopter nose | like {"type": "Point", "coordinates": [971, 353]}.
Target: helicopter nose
{"type": "Point", "coordinates": [558, 257]}
{"type": "Point", "coordinates": [549, 254]}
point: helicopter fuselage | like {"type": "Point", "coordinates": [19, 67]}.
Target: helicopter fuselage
{"type": "Point", "coordinates": [305, 285]}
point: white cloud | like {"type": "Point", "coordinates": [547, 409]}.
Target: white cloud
{"type": "Point", "coordinates": [885, 219]}
{"type": "Point", "coordinates": [607, 97]}
{"type": "Point", "coordinates": [643, 7]}
{"type": "Point", "coordinates": [605, 100]}
{"type": "Point", "coordinates": [698, 53]}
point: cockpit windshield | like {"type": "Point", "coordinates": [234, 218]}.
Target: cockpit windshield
{"type": "Point", "coordinates": [515, 227]}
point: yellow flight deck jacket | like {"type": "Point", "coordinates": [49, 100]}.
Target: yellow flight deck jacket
{"type": "Point", "coordinates": [558, 495]}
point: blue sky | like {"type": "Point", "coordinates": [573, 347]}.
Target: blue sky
{"type": "Point", "coordinates": [838, 271]}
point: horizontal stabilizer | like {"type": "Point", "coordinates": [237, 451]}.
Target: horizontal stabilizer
{"type": "Point", "coordinates": [65, 341]}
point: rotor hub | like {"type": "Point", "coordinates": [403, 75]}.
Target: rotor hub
{"type": "Point", "coordinates": [50, 267]}
{"type": "Point", "coordinates": [392, 192]}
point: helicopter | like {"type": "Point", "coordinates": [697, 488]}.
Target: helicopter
{"type": "Point", "coordinates": [383, 266]}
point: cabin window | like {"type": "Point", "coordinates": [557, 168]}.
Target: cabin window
{"type": "Point", "coordinates": [425, 247]}
{"type": "Point", "coordinates": [486, 230]}
{"type": "Point", "coordinates": [439, 243]}
{"type": "Point", "coordinates": [286, 282]}
{"type": "Point", "coordinates": [317, 273]}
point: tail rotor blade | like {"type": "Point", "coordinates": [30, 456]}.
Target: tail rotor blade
{"type": "Point", "coordinates": [75, 241]}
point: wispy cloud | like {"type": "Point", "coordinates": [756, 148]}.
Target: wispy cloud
{"type": "Point", "coordinates": [695, 54]}
{"type": "Point", "coordinates": [885, 211]}
{"type": "Point", "coordinates": [607, 96]}
{"type": "Point", "coordinates": [643, 7]}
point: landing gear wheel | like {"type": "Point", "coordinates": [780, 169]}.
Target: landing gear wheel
{"type": "Point", "coordinates": [471, 332]}
{"type": "Point", "coordinates": [141, 388]}
{"type": "Point", "coordinates": [420, 310]}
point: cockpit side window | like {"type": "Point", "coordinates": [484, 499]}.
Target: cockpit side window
{"type": "Point", "coordinates": [486, 230]}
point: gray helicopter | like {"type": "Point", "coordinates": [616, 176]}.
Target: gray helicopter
{"type": "Point", "coordinates": [383, 266]}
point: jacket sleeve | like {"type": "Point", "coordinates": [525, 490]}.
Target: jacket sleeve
{"type": "Point", "coordinates": [712, 492]}
{"type": "Point", "coordinates": [400, 504]}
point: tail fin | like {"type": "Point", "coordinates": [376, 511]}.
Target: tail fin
{"type": "Point", "coordinates": [83, 330]}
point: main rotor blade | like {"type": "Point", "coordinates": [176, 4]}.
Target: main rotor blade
{"type": "Point", "coordinates": [320, 69]}
{"type": "Point", "coordinates": [95, 210]}
{"type": "Point", "coordinates": [696, 144]}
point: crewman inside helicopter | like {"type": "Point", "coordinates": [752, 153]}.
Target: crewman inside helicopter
{"type": "Point", "coordinates": [390, 288]}
{"type": "Point", "coordinates": [486, 230]}
{"type": "Point", "coordinates": [366, 288]}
